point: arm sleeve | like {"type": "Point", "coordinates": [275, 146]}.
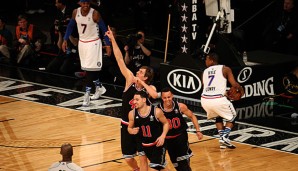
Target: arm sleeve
{"type": "Point", "coordinates": [69, 28]}
{"type": "Point", "coordinates": [104, 29]}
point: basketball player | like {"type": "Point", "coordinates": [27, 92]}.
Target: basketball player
{"type": "Point", "coordinates": [213, 97]}
{"type": "Point", "coordinates": [133, 84]}
{"type": "Point", "coordinates": [150, 124]}
{"type": "Point", "coordinates": [88, 23]}
{"type": "Point", "coordinates": [66, 162]}
{"type": "Point", "coordinates": [177, 135]}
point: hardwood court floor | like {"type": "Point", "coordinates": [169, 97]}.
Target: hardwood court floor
{"type": "Point", "coordinates": [32, 133]}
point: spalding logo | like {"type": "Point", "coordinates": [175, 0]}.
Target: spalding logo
{"type": "Point", "coordinates": [184, 81]}
{"type": "Point", "coordinates": [244, 74]}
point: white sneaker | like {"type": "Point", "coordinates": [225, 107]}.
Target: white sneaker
{"type": "Point", "coordinates": [86, 100]}
{"type": "Point", "coordinates": [225, 141]}
{"type": "Point", "coordinates": [99, 91]}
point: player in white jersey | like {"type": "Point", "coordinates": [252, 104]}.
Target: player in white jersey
{"type": "Point", "coordinates": [89, 24]}
{"type": "Point", "coordinates": [66, 163]}
{"type": "Point", "coordinates": [213, 98]}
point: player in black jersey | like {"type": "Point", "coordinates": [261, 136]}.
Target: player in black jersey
{"type": "Point", "coordinates": [177, 137]}
{"type": "Point", "coordinates": [150, 124]}
{"type": "Point", "coordinates": [133, 84]}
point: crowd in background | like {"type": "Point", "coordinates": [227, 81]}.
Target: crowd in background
{"type": "Point", "coordinates": [279, 34]}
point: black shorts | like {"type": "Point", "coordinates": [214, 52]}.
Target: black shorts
{"type": "Point", "coordinates": [156, 156]}
{"type": "Point", "coordinates": [130, 144]}
{"type": "Point", "coordinates": [178, 148]}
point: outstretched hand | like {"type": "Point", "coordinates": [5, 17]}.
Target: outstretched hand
{"type": "Point", "coordinates": [109, 33]}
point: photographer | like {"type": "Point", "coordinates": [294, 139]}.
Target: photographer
{"type": "Point", "coordinates": [136, 54]}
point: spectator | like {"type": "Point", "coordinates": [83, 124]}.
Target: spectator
{"type": "Point", "coordinates": [136, 52]}
{"type": "Point", "coordinates": [151, 125]}
{"type": "Point", "coordinates": [29, 41]}
{"type": "Point", "coordinates": [66, 163]}
{"type": "Point", "coordinates": [63, 15]}
{"type": "Point", "coordinates": [281, 34]}
{"type": "Point", "coordinates": [177, 137]}
{"type": "Point", "coordinates": [65, 61]}
{"type": "Point", "coordinates": [5, 39]}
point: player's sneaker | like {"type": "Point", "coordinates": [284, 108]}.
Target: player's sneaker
{"type": "Point", "coordinates": [225, 141]}
{"type": "Point", "coordinates": [86, 100]}
{"type": "Point", "coordinates": [222, 146]}
{"type": "Point", "coordinates": [99, 91]}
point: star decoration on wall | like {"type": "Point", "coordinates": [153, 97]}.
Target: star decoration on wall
{"type": "Point", "coordinates": [184, 39]}
{"type": "Point", "coordinates": [184, 7]}
{"type": "Point", "coordinates": [184, 49]}
{"type": "Point", "coordinates": [184, 28]}
{"type": "Point", "coordinates": [184, 18]}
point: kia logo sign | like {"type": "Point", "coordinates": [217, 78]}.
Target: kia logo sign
{"type": "Point", "coordinates": [184, 81]}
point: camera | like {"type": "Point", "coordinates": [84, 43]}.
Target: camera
{"type": "Point", "coordinates": [132, 40]}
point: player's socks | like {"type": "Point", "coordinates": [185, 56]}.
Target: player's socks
{"type": "Point", "coordinates": [86, 99]}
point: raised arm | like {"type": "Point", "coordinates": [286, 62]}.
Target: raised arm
{"type": "Point", "coordinates": [119, 57]}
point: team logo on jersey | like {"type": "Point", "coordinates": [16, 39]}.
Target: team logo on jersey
{"type": "Point", "coordinates": [151, 118]}
{"type": "Point", "coordinates": [99, 64]}
{"type": "Point", "coordinates": [176, 111]}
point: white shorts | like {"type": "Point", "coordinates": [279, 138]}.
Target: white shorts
{"type": "Point", "coordinates": [90, 55]}
{"type": "Point", "coordinates": [219, 107]}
